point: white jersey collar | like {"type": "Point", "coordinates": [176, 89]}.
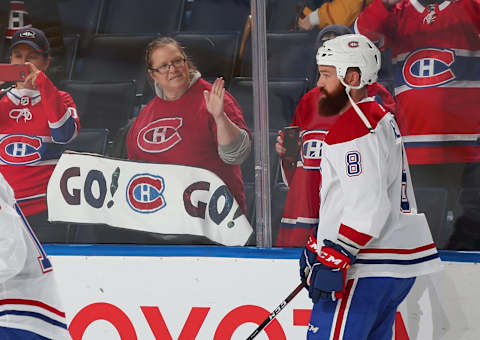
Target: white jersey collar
{"type": "Point", "coordinates": [366, 100]}
{"type": "Point", "coordinates": [420, 8]}
{"type": "Point", "coordinates": [15, 95]}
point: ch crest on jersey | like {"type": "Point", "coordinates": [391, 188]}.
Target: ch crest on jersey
{"type": "Point", "coordinates": [160, 135]}
{"type": "Point", "coordinates": [312, 148]}
{"type": "Point", "coordinates": [20, 149]}
{"type": "Point", "coordinates": [429, 67]}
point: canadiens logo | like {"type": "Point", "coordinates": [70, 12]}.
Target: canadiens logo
{"type": "Point", "coordinates": [28, 34]}
{"type": "Point", "coordinates": [20, 149]}
{"type": "Point", "coordinates": [429, 67]}
{"type": "Point", "coordinates": [312, 148]}
{"type": "Point", "coordinates": [145, 193]}
{"type": "Point", "coordinates": [160, 135]}
{"type": "Point", "coordinates": [353, 44]}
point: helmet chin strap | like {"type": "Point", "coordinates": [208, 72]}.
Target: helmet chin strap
{"type": "Point", "coordinates": [355, 106]}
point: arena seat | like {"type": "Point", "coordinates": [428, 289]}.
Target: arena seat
{"type": "Point", "coordinates": [289, 55]}
{"type": "Point", "coordinates": [80, 17]}
{"type": "Point", "coordinates": [216, 15]}
{"type": "Point", "coordinates": [93, 140]}
{"type": "Point", "coordinates": [102, 104]}
{"type": "Point", "coordinates": [214, 53]}
{"type": "Point", "coordinates": [71, 49]}
{"type": "Point", "coordinates": [147, 16]}
{"type": "Point", "coordinates": [283, 97]}
{"type": "Point", "coordinates": [114, 57]}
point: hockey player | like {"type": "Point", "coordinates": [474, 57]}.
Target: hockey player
{"type": "Point", "coordinates": [370, 244]}
{"type": "Point", "coordinates": [35, 119]}
{"type": "Point", "coordinates": [303, 176]}
{"type": "Point", "coordinates": [30, 307]}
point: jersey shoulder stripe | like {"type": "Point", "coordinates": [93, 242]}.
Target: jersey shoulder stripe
{"type": "Point", "coordinates": [349, 126]}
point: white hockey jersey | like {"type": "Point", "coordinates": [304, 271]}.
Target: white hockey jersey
{"type": "Point", "coordinates": [368, 205]}
{"type": "Point", "coordinates": [28, 291]}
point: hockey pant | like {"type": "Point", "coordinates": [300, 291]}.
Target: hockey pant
{"type": "Point", "coordinates": [367, 312]}
{"type": "Point", "coordinates": [7, 333]}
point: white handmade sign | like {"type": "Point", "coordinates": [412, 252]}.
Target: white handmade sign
{"type": "Point", "coordinates": [160, 198]}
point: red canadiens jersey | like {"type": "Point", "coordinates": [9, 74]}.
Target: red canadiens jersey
{"type": "Point", "coordinates": [436, 58]}
{"type": "Point", "coordinates": [302, 203]}
{"type": "Point", "coordinates": [33, 124]}
{"type": "Point", "coordinates": [184, 132]}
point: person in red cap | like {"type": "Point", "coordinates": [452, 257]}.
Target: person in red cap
{"type": "Point", "coordinates": [35, 118]}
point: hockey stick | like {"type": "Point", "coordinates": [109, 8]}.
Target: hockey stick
{"type": "Point", "coordinates": [276, 311]}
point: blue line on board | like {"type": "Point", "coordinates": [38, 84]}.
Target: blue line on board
{"type": "Point", "coordinates": [209, 251]}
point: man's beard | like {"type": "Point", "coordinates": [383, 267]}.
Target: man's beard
{"type": "Point", "coordinates": [330, 104]}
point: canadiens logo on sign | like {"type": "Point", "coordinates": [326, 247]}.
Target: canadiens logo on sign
{"type": "Point", "coordinates": [429, 67]}
{"type": "Point", "coordinates": [20, 149]}
{"type": "Point", "coordinates": [312, 148]}
{"type": "Point", "coordinates": [145, 193]}
{"type": "Point", "coordinates": [160, 135]}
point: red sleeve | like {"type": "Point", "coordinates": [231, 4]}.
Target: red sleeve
{"type": "Point", "coordinates": [377, 23]}
{"type": "Point", "coordinates": [60, 110]}
{"type": "Point", "coordinates": [383, 96]}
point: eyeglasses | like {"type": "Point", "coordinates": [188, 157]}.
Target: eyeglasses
{"type": "Point", "coordinates": [179, 62]}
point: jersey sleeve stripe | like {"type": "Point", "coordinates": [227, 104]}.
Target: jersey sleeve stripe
{"type": "Point", "coordinates": [355, 236]}
{"type": "Point", "coordinates": [32, 303]}
{"type": "Point", "coordinates": [397, 251]}
{"type": "Point", "coordinates": [34, 315]}
{"type": "Point", "coordinates": [397, 261]}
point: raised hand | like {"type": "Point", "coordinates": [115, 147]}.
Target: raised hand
{"type": "Point", "coordinates": [29, 82]}
{"type": "Point", "coordinates": [214, 98]}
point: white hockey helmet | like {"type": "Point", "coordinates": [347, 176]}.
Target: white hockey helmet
{"type": "Point", "coordinates": [351, 50]}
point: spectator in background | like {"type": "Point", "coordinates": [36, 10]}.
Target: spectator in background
{"type": "Point", "coordinates": [190, 121]}
{"type": "Point", "coordinates": [339, 12]}
{"type": "Point", "coordinates": [36, 118]}
{"type": "Point", "coordinates": [303, 176]}
{"type": "Point", "coordinates": [435, 48]}
{"type": "Point", "coordinates": [44, 15]}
